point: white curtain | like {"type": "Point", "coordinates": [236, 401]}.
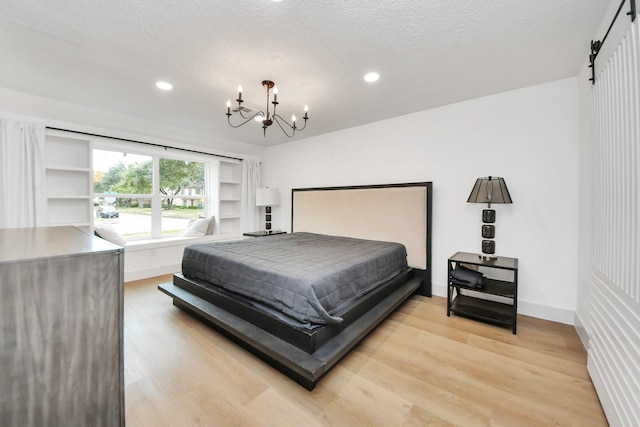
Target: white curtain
{"type": "Point", "coordinates": [250, 183]}
{"type": "Point", "coordinates": [22, 175]}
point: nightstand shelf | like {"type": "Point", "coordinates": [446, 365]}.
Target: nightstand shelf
{"type": "Point", "coordinates": [497, 287]}
{"type": "Point", "coordinates": [484, 310]}
{"type": "Point", "coordinates": [497, 301]}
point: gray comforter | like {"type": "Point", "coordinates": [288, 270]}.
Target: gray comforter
{"type": "Point", "coordinates": [308, 277]}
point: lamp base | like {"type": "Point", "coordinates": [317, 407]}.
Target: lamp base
{"type": "Point", "coordinates": [488, 216]}
{"type": "Point", "coordinates": [488, 249]}
{"type": "Point", "coordinates": [267, 219]}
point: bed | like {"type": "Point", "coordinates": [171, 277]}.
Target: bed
{"type": "Point", "coordinates": [302, 300]}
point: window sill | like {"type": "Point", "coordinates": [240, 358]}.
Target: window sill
{"type": "Point", "coordinates": [142, 245]}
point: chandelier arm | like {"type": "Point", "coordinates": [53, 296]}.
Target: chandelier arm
{"type": "Point", "coordinates": [259, 113]}
{"type": "Point", "coordinates": [285, 121]}
{"type": "Point", "coordinates": [290, 125]}
{"type": "Point", "coordinates": [303, 126]}
{"type": "Point", "coordinates": [241, 124]}
{"type": "Point", "coordinates": [277, 120]}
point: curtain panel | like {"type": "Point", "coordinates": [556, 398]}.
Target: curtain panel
{"type": "Point", "coordinates": [22, 175]}
{"type": "Point", "coordinates": [251, 177]}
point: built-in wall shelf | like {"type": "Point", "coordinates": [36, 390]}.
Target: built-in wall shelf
{"type": "Point", "coordinates": [229, 196]}
{"type": "Point", "coordinates": [230, 172]}
{"type": "Point", "coordinates": [69, 180]}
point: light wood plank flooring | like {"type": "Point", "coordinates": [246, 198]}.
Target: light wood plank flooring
{"type": "Point", "coordinates": [418, 368]}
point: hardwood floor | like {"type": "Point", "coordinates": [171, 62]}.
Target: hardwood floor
{"type": "Point", "coordinates": [418, 368]}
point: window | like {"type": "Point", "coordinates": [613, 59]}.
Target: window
{"type": "Point", "coordinates": [149, 193]}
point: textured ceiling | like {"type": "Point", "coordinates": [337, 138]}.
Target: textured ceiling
{"type": "Point", "coordinates": [108, 55]}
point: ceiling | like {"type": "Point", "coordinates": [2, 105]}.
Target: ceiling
{"type": "Point", "coordinates": [109, 54]}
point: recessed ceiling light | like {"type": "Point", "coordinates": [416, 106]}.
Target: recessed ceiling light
{"type": "Point", "coordinates": [371, 77]}
{"type": "Point", "coordinates": [164, 85]}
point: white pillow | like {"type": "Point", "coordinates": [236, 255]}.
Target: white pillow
{"type": "Point", "coordinates": [108, 233]}
{"type": "Point", "coordinates": [196, 228]}
{"type": "Point", "coordinates": [212, 223]}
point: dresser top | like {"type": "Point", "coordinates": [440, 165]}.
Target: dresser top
{"type": "Point", "coordinates": [24, 244]}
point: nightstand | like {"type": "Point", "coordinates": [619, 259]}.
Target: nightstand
{"type": "Point", "coordinates": [263, 233]}
{"type": "Point", "coordinates": [468, 302]}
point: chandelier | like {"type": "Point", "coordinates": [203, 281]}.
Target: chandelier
{"type": "Point", "coordinates": [268, 118]}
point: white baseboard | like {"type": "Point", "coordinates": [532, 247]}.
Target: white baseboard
{"type": "Point", "coordinates": [554, 314]}
{"type": "Point", "coordinates": [130, 276]}
{"type": "Point", "coordinates": [582, 332]}
{"type": "Point", "coordinates": [439, 290]}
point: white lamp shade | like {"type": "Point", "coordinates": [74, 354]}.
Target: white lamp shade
{"type": "Point", "coordinates": [267, 197]}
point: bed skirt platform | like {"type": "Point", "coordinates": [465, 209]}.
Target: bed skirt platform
{"type": "Point", "coordinates": [306, 368]}
{"type": "Point", "coordinates": [305, 339]}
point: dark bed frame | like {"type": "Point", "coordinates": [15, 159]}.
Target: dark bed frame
{"type": "Point", "coordinates": [303, 355]}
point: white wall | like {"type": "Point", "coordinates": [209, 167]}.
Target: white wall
{"type": "Point", "coordinates": [585, 204]}
{"type": "Point", "coordinates": [528, 136]}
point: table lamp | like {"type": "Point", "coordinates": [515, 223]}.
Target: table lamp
{"type": "Point", "coordinates": [267, 197]}
{"type": "Point", "coordinates": [489, 190]}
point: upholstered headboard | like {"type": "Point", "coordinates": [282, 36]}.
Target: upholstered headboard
{"type": "Point", "coordinates": [391, 212]}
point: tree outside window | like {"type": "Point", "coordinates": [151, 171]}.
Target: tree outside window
{"type": "Point", "coordinates": [125, 196]}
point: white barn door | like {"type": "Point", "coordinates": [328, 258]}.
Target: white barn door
{"type": "Point", "coordinates": [614, 329]}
